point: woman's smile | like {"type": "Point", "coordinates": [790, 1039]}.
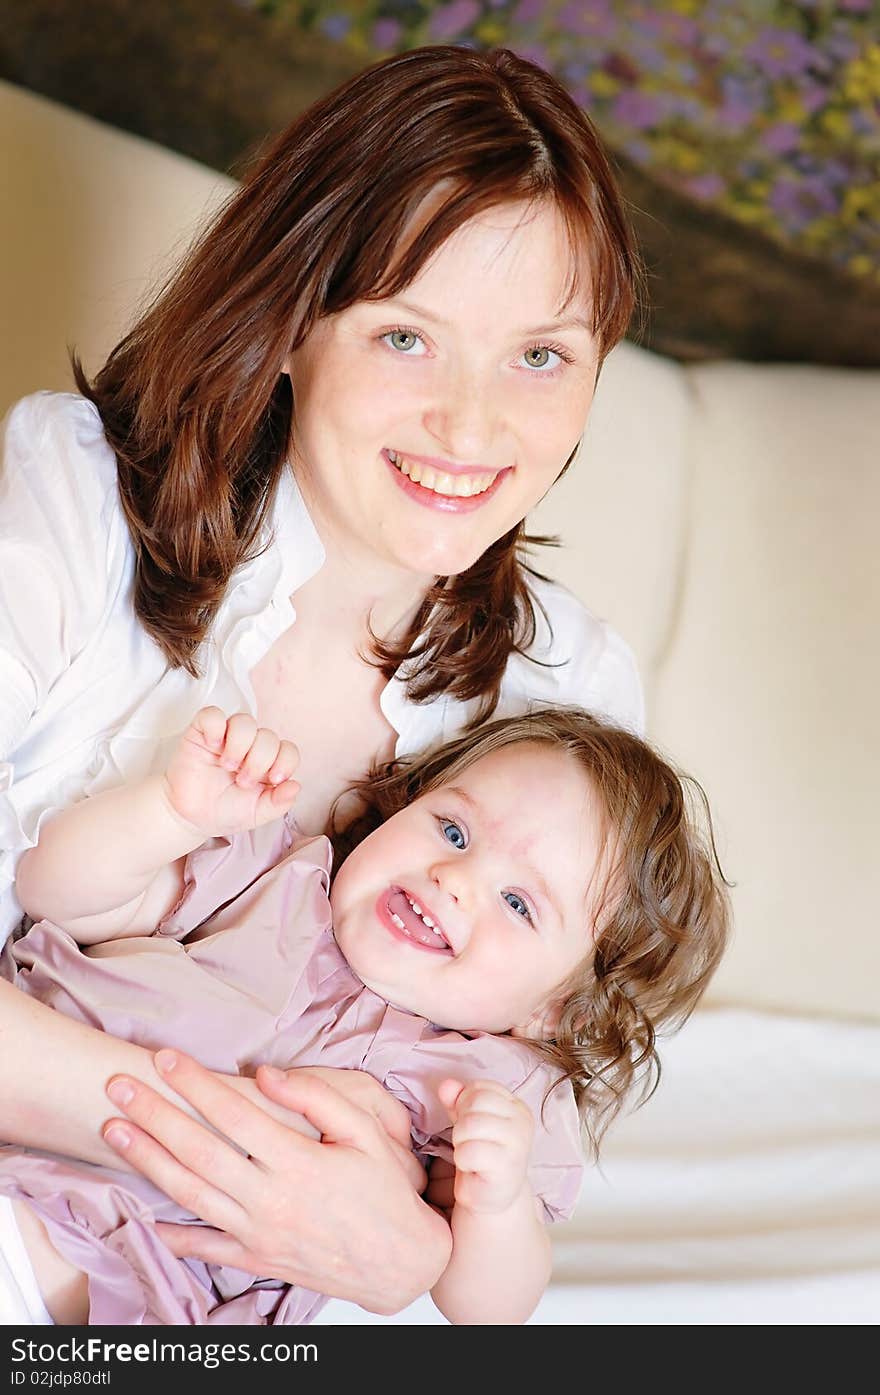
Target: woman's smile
{"type": "Point", "coordinates": [451, 488]}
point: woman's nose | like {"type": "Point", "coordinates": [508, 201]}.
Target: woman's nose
{"type": "Point", "coordinates": [463, 419]}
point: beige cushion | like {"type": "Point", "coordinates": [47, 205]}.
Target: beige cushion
{"type": "Point", "coordinates": [622, 507]}
{"type": "Point", "coordinates": [768, 690]}
{"type": "Point", "coordinates": [92, 216]}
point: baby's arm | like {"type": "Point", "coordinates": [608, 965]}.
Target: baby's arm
{"type": "Point", "coordinates": [501, 1259]}
{"type": "Point", "coordinates": [112, 865]}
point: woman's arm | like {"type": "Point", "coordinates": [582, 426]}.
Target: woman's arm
{"type": "Point", "coordinates": [54, 1073]}
{"type": "Point", "coordinates": [501, 1259]}
{"type": "Point", "coordinates": [53, 1077]}
{"type": "Point", "coordinates": [341, 1217]}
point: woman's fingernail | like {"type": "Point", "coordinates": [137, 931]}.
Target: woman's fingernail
{"type": "Point", "coordinates": [121, 1092]}
{"type": "Point", "coordinates": [165, 1061]}
{"type": "Point", "coordinates": [117, 1136]}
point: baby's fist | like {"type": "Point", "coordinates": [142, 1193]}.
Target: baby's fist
{"type": "Point", "coordinates": [227, 774]}
{"type": "Point", "coordinates": [492, 1135]}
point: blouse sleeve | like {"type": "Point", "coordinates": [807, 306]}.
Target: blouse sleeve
{"type": "Point", "coordinates": [578, 660]}
{"type": "Point", "coordinates": [55, 539]}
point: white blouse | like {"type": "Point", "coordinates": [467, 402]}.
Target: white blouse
{"type": "Point", "coordinates": [86, 697]}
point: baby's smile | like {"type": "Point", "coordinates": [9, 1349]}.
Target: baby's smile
{"type": "Point", "coordinates": [398, 910]}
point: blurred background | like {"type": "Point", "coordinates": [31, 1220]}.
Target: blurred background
{"type": "Point", "coordinates": [746, 133]}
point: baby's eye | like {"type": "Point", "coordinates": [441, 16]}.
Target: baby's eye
{"type": "Point", "coordinates": [453, 833]}
{"type": "Point", "coordinates": [517, 904]}
{"type": "Point", "coordinates": [404, 341]}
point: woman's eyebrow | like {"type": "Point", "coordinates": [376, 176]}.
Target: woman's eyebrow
{"type": "Point", "coordinates": [569, 322]}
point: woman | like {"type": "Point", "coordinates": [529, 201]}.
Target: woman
{"type": "Point", "coordinates": [297, 488]}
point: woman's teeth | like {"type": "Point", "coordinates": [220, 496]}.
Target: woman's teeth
{"type": "Point", "coordinates": [456, 486]}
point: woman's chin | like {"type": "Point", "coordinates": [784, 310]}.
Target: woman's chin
{"type": "Point", "coordinates": [453, 561]}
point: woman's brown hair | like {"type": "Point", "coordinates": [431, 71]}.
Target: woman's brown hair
{"type": "Point", "coordinates": [662, 920]}
{"type": "Point", "coordinates": [193, 399]}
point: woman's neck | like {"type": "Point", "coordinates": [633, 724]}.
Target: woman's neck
{"type": "Point", "coordinates": [348, 596]}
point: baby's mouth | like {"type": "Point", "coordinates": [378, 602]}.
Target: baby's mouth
{"type": "Point", "coordinates": [414, 922]}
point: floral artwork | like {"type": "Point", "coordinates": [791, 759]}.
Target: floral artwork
{"type": "Point", "coordinates": [768, 110]}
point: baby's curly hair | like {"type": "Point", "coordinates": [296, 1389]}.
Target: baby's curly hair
{"type": "Point", "coordinates": [663, 917]}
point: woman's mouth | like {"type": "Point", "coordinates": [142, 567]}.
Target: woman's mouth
{"type": "Point", "coordinates": [404, 916]}
{"type": "Point", "coordinates": [456, 492]}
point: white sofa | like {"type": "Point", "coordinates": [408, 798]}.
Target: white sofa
{"type": "Point", "coordinates": [724, 518]}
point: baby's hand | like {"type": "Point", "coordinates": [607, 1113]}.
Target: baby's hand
{"type": "Point", "coordinates": [491, 1141]}
{"type": "Point", "coordinates": [228, 775]}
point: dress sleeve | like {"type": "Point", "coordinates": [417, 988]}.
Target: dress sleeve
{"type": "Point", "coordinates": [221, 869]}
{"type": "Point", "coordinates": [57, 488]}
{"type": "Point", "coordinates": [412, 1067]}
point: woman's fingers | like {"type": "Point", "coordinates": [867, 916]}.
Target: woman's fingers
{"type": "Point", "coordinates": [205, 1243]}
{"type": "Point", "coordinates": [365, 1094]}
{"type": "Point", "coordinates": [189, 1189]}
{"type": "Point", "coordinates": [336, 1118]}
{"type": "Point", "coordinates": [224, 1107]}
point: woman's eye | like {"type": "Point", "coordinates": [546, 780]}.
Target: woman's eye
{"type": "Point", "coordinates": [539, 356]}
{"type": "Point", "coordinates": [545, 360]}
{"type": "Point", "coordinates": [404, 341]}
{"type": "Point", "coordinates": [453, 833]}
{"type": "Point", "coordinates": [517, 904]}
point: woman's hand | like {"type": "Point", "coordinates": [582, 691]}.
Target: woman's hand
{"type": "Point", "coordinates": [360, 1089]}
{"type": "Point", "coordinates": [227, 774]}
{"type": "Point", "coordinates": [340, 1216]}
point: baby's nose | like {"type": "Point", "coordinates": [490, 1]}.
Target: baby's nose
{"type": "Point", "coordinates": [449, 877]}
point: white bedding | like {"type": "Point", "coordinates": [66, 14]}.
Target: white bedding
{"type": "Point", "coordinates": [747, 1191]}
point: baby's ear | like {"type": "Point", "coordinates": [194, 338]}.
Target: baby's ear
{"type": "Point", "coordinates": [542, 1026]}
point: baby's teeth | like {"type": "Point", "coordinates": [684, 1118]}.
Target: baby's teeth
{"type": "Point", "coordinates": [397, 921]}
{"type": "Point", "coordinates": [418, 910]}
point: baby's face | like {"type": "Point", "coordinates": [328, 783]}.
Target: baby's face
{"type": "Point", "coordinates": [472, 905]}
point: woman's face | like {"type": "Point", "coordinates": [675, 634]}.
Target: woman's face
{"type": "Point", "coordinates": [427, 425]}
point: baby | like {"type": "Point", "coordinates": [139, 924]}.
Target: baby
{"type": "Point", "coordinates": [514, 918]}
